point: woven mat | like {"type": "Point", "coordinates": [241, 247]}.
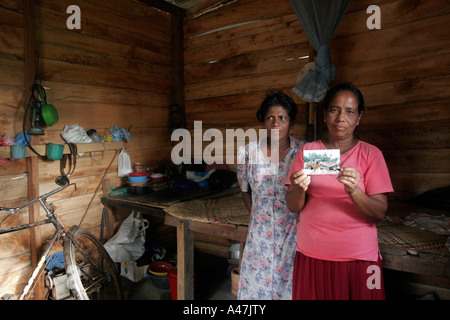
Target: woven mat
{"type": "Point", "coordinates": [411, 238]}
{"type": "Point", "coordinates": [229, 209]}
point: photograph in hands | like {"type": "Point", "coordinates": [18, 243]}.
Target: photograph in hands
{"type": "Point", "coordinates": [322, 161]}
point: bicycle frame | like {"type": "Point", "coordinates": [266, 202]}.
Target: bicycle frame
{"type": "Point", "coordinates": [51, 218]}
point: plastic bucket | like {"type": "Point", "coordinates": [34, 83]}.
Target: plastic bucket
{"type": "Point", "coordinates": [172, 275]}
{"type": "Point", "coordinates": [18, 151]}
{"type": "Point", "coordinates": [55, 151]}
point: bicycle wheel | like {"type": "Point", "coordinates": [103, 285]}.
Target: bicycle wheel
{"type": "Point", "coordinates": [91, 274]}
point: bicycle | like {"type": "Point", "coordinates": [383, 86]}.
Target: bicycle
{"type": "Point", "coordinates": [91, 273]}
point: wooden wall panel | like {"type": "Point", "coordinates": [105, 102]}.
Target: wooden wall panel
{"type": "Point", "coordinates": [15, 259]}
{"type": "Point", "coordinates": [402, 70]}
{"type": "Point", "coordinates": [12, 65]}
{"type": "Point", "coordinates": [128, 51]}
{"type": "Point", "coordinates": [233, 56]}
{"type": "Point", "coordinates": [236, 13]}
{"type": "Point", "coordinates": [115, 70]}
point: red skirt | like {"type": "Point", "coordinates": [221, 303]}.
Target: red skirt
{"type": "Point", "coordinates": [316, 279]}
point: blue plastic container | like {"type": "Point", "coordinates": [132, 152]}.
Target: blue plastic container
{"type": "Point", "coordinates": [18, 151]}
{"type": "Point", "coordinates": [136, 177]}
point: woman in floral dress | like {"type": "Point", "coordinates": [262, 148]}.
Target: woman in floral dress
{"type": "Point", "coordinates": [268, 257]}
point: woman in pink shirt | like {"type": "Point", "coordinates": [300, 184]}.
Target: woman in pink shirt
{"type": "Point", "coordinates": [337, 254]}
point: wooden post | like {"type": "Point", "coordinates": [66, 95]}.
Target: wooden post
{"type": "Point", "coordinates": [107, 217]}
{"type": "Point", "coordinates": [185, 263]}
{"type": "Point", "coordinates": [29, 46]}
{"type": "Point", "coordinates": [32, 162]}
{"type": "Point", "coordinates": [177, 39]}
{"type": "Point", "coordinates": [35, 233]}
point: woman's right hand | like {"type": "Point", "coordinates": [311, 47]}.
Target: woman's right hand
{"type": "Point", "coordinates": [296, 192]}
{"type": "Point", "coordinates": [300, 179]}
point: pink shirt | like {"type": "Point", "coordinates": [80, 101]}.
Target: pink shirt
{"type": "Point", "coordinates": [330, 226]}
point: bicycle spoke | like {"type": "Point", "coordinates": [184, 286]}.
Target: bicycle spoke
{"type": "Point", "coordinates": [82, 252]}
{"type": "Point", "coordinates": [92, 271]}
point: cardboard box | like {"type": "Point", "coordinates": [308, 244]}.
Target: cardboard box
{"type": "Point", "coordinates": [131, 271]}
{"type": "Point", "coordinates": [60, 291]}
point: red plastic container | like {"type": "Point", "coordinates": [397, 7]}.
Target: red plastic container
{"type": "Point", "coordinates": [157, 177]}
{"type": "Point", "coordinates": [172, 275]}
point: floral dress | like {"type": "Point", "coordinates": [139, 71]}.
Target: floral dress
{"type": "Point", "coordinates": [268, 257]}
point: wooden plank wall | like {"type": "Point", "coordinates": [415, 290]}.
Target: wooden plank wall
{"type": "Point", "coordinates": [402, 70]}
{"type": "Point", "coordinates": [15, 258]}
{"type": "Point", "coordinates": [115, 70]}
{"type": "Point", "coordinates": [234, 55]}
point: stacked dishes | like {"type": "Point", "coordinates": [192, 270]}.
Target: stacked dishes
{"type": "Point", "coordinates": [138, 182]}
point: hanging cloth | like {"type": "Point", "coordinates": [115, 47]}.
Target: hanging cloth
{"type": "Point", "coordinates": [319, 20]}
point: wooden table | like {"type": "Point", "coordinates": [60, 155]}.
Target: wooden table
{"type": "Point", "coordinates": [429, 264]}
{"type": "Point", "coordinates": [155, 203]}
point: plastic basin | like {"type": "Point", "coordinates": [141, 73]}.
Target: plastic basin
{"type": "Point", "coordinates": [135, 177]}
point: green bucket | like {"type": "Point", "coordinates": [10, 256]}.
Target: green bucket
{"type": "Point", "coordinates": [55, 151]}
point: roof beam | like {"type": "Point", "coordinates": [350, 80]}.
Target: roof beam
{"type": "Point", "coordinates": [165, 6]}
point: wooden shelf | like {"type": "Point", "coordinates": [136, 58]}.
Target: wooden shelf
{"type": "Point", "coordinates": [5, 152]}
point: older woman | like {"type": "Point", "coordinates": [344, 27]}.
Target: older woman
{"type": "Point", "coordinates": [268, 257]}
{"type": "Point", "coordinates": [337, 246]}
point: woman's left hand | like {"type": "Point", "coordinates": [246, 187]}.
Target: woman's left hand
{"type": "Point", "coordinates": [349, 177]}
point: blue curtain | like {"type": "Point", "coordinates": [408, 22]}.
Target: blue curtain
{"type": "Point", "coordinates": [319, 19]}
